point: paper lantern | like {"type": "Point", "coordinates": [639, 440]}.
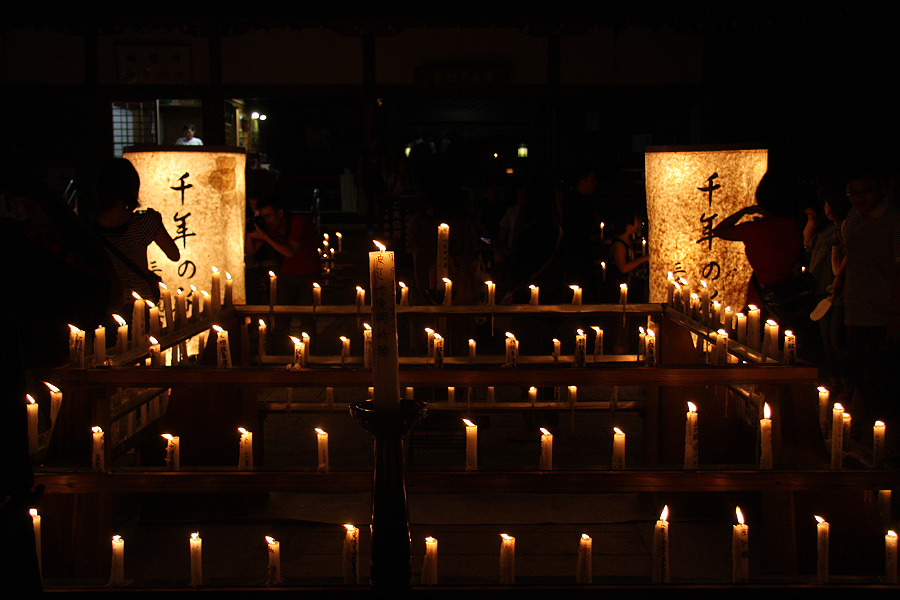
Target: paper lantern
{"type": "Point", "coordinates": [200, 194]}
{"type": "Point", "coordinates": [689, 191]}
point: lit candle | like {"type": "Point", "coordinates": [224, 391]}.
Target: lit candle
{"type": "Point", "coordinates": [216, 290]}
{"type": "Point", "coordinates": [507, 559]}
{"type": "Point", "coordinates": [691, 450]}
{"type": "Point", "coordinates": [642, 344]}
{"type": "Point", "coordinates": [360, 297]}
{"type": "Point", "coordinates": [847, 421]}
{"type": "Point", "coordinates": [76, 346]}
{"type": "Point", "coordinates": [443, 251]}
{"type": "Point", "coordinates": [351, 555]}
{"type": "Point", "coordinates": [180, 309]}
{"type": "Point", "coordinates": [55, 402]}
{"type": "Point", "coordinates": [322, 447]}
{"type": "Point", "coordinates": [491, 290]}
{"type": "Point", "coordinates": [173, 451]}
{"type": "Point", "coordinates": [195, 303]}
{"type": "Point", "coordinates": [576, 294]}
{"type": "Point", "coordinates": [451, 393]}
{"type": "Point", "coordinates": [695, 306]}
{"type": "Point", "coordinates": [340, 239]}
{"type": "Point", "coordinates": [471, 351]}
{"type": "Point", "coordinates": [890, 557]}
{"type": "Point", "coordinates": [822, 532]}
{"type": "Point", "coordinates": [36, 526]}
{"type": "Point", "coordinates": [765, 438]}
{"type": "Point", "coordinates": [491, 398]}
{"type": "Point", "coordinates": [385, 362]}
{"type": "Point", "coordinates": [535, 292]}
{"type": "Point", "coordinates": [546, 450]}
{"type": "Point", "coordinates": [155, 353]}
{"type": "Point", "coordinates": [650, 355]}
{"type": "Point", "coordinates": [245, 459]}
{"type": "Point", "coordinates": [742, 328]}
{"type": "Point", "coordinates": [677, 298]}
{"type": "Point", "coordinates": [304, 337]}
{"type": "Point", "coordinates": [196, 559]}
{"type": "Point", "coordinates": [99, 346]}
{"type": "Point", "coordinates": [704, 301]}
{"type": "Point", "coordinates": [618, 459]}
{"type": "Point", "coordinates": [367, 346]}
{"type": "Point", "coordinates": [512, 350]}
{"type": "Point", "coordinates": [273, 289]}
{"type": "Point", "coordinates": [623, 294]}
{"type": "Point", "coordinates": [262, 338]}
{"type": "Point", "coordinates": [429, 347]}
{"type": "Point", "coordinates": [790, 348]}
{"type": "Point", "coordinates": [207, 303]}
{"type": "Point", "coordinates": [716, 318]}
{"type": "Point", "coordinates": [317, 294]}
{"type": "Point", "coordinates": [603, 271]}
{"type": "Point", "coordinates": [602, 226]}
{"type": "Point", "coordinates": [643, 247]}
{"type": "Point", "coordinates": [32, 409]}
{"type": "Point", "coordinates": [345, 349]}
{"type": "Point", "coordinates": [429, 566]}
{"type": "Point", "coordinates": [721, 354]}
{"type": "Point", "coordinates": [740, 537]}
{"type": "Point", "coordinates": [584, 567]}
{"type": "Point", "coordinates": [117, 569]}
{"type": "Point", "coordinates": [404, 294]}
{"type": "Point", "coordinates": [573, 394]}
{"type": "Point", "coordinates": [229, 290]}
{"type": "Point", "coordinates": [557, 346]}
{"type": "Point", "coordinates": [274, 549]}
{"type": "Point", "coordinates": [471, 445]}
{"type": "Point", "coordinates": [753, 328]}
{"type": "Point", "coordinates": [532, 394]}
{"type": "Point", "coordinates": [661, 548]}
{"type": "Point", "coordinates": [410, 393]}
{"type": "Point", "coordinates": [728, 323]}
{"type": "Point", "coordinates": [598, 343]}
{"type": "Point", "coordinates": [98, 458]}
{"type": "Point", "coordinates": [137, 320]}
{"type": "Point", "coordinates": [448, 292]}
{"type": "Point", "coordinates": [770, 341]}
{"type": "Point", "coordinates": [837, 435]}
{"type": "Point", "coordinates": [298, 352]}
{"type": "Point", "coordinates": [824, 403]}
{"type": "Point", "coordinates": [438, 350]}
{"type": "Point", "coordinates": [580, 348]}
{"type": "Point", "coordinates": [878, 444]}
{"type": "Point", "coordinates": [223, 348]}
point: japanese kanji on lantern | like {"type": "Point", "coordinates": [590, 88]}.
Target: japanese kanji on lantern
{"type": "Point", "coordinates": [689, 189]}
{"type": "Point", "coordinates": [200, 193]}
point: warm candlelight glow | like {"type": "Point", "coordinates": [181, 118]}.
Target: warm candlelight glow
{"type": "Point", "coordinates": [506, 536]}
{"type": "Point", "coordinates": [29, 398]}
{"type": "Point", "coordinates": [33, 513]}
{"type": "Point", "coordinates": [692, 407]}
{"type": "Point", "coordinates": [819, 519]}
{"type": "Point", "coordinates": [838, 406]}
{"type": "Point", "coordinates": [96, 429]}
{"type": "Point", "coordinates": [381, 246]}
{"type": "Point", "coordinates": [740, 515]}
{"type": "Point", "coordinates": [544, 431]}
{"type": "Point", "coordinates": [401, 284]}
{"type": "Point", "coordinates": [270, 539]}
{"type": "Point", "coordinates": [195, 535]}
{"type": "Point", "coordinates": [153, 340]}
{"type": "Point", "coordinates": [508, 334]}
{"type": "Point", "coordinates": [350, 527]}
{"type": "Point", "coordinates": [271, 274]}
{"type": "Point", "coordinates": [891, 533]}
{"type": "Point", "coordinates": [429, 539]}
{"type": "Point", "coordinates": [445, 280]}
{"type": "Point", "coordinates": [136, 296]}
{"type": "Point", "coordinates": [619, 431]}
{"type": "Point", "coordinates": [767, 412]}
{"type": "Point", "coordinates": [243, 431]}
{"type": "Point", "coordinates": [664, 515]}
{"type": "Point", "coordinates": [52, 387]}
{"type": "Point", "coordinates": [167, 436]}
{"type": "Point", "coordinates": [293, 339]}
{"type": "Point", "coordinates": [343, 338]}
{"type": "Point", "coordinates": [468, 423]}
{"type": "Point", "coordinates": [578, 331]}
{"type": "Point", "coordinates": [319, 430]}
{"type": "Point", "coordinates": [217, 329]}
{"type": "Point", "coordinates": [585, 536]}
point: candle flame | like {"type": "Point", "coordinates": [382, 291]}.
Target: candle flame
{"type": "Point", "coordinates": [555, 341]}
{"type": "Point", "coordinates": [119, 320]}
{"type": "Point", "coordinates": [350, 527]}
{"type": "Point", "coordinates": [227, 275]}
{"type": "Point", "coordinates": [677, 286]}
{"type": "Point", "coordinates": [73, 329]}
{"type": "Point", "coordinates": [767, 412]}
{"type": "Point", "coordinates": [596, 328]}
{"type": "Point", "coordinates": [262, 323]}
{"type": "Point", "coordinates": [703, 282]}
{"type": "Point", "coordinates": [506, 536]}
{"type": "Point", "coordinates": [740, 515]}
{"type": "Point", "coordinates": [823, 389]}
{"type": "Point", "coordinates": [304, 335]}
{"type": "Point", "coordinates": [771, 323]}
{"type": "Point", "coordinates": [359, 289]}
{"type": "Point", "coordinates": [692, 407]}
{"type": "Point", "coordinates": [343, 338]}
{"type": "Point", "coordinates": [215, 270]}
{"type": "Point", "coordinates": [879, 423]}
{"type": "Point", "coordinates": [319, 430]}
{"type": "Point", "coordinates": [367, 326]}
{"type": "Point", "coordinates": [489, 283]}
{"type": "Point", "coordinates": [429, 330]}
{"type": "Point", "coordinates": [532, 389]}
{"type": "Point", "coordinates": [891, 533]}
{"type": "Point", "coordinates": [819, 519]}
{"type": "Point", "coordinates": [509, 335]}
{"type": "Point", "coordinates": [401, 284]}
{"type": "Point", "coordinates": [96, 429]}
{"type": "Point", "coordinates": [650, 333]}
{"type": "Point", "coordinates": [741, 315]}
{"type": "Point", "coordinates": [136, 296]}
{"type": "Point", "coordinates": [381, 246]}
{"type": "Point", "coordinates": [641, 330]}
{"type": "Point", "coordinates": [694, 295]}
{"type": "Point", "coordinates": [30, 399]}
{"type": "Point", "coordinates": [722, 333]}
{"type": "Point", "coordinates": [316, 285]}
{"type": "Point", "coordinates": [217, 329]}
{"type": "Point", "coordinates": [150, 304]}
{"type": "Point", "coordinates": [670, 276]}
{"type": "Point", "coordinates": [664, 515]}
{"type": "Point", "coordinates": [195, 535]}
{"type": "Point", "coordinates": [270, 540]}
{"type": "Point", "coordinates": [603, 264]}
{"type": "Point", "coordinates": [579, 331]}
{"type": "Point", "coordinates": [585, 536]}
{"type": "Point", "coordinates": [116, 538]}
{"type": "Point", "coordinates": [179, 291]}
{"type": "Point", "coordinates": [32, 512]}
{"type": "Point", "coordinates": [544, 431]}
{"type": "Point", "coordinates": [574, 288]}
{"type": "Point", "coordinates": [623, 286]}
{"type": "Point", "coordinates": [271, 273]}
{"type": "Point", "coordinates": [204, 293]}
{"type": "Point", "coordinates": [532, 287]}
{"type": "Point", "coordinates": [243, 431]}
{"type": "Point", "coordinates": [338, 234]}
{"type": "Point", "coordinates": [618, 431]}
{"type": "Point", "coordinates": [153, 340]}
{"type": "Point", "coordinates": [52, 387]}
{"type": "Point", "coordinates": [752, 307]}
{"type": "Point", "coordinates": [168, 436]}
{"type": "Point", "coordinates": [471, 341]}
{"type": "Point", "coordinates": [438, 336]}
{"type": "Point", "coordinates": [162, 286]}
{"type": "Point", "coordinates": [788, 332]}
{"type": "Point", "coordinates": [296, 341]}
{"type": "Point", "coordinates": [716, 304]}
{"type": "Point", "coordinates": [838, 406]}
{"type": "Point", "coordinates": [682, 280]}
{"type": "Point", "coordinates": [468, 423]}
{"type": "Point", "coordinates": [429, 539]}
{"type": "Point", "coordinates": [444, 226]}
{"type": "Point", "coordinates": [194, 287]}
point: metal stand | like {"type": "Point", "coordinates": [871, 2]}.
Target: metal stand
{"type": "Point", "coordinates": [391, 563]}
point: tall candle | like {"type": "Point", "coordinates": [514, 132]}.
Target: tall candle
{"type": "Point", "coordinates": [695, 306]}
{"type": "Point", "coordinates": [36, 527]}
{"type": "Point", "coordinates": [298, 352]}
{"type": "Point", "coordinates": [721, 353]}
{"type": "Point", "coordinates": [618, 459]}
{"type": "Point", "coordinates": [691, 450]}
{"type": "Point", "coordinates": [443, 252]}
{"type": "Point", "coordinates": [677, 298]}
{"type": "Point", "coordinates": [704, 301]}
{"type": "Point", "coordinates": [603, 271]}
{"type": "Point", "coordinates": [742, 328]}
{"type": "Point", "coordinates": [535, 294]}
{"type": "Point", "coordinates": [385, 362]}
{"type": "Point", "coordinates": [822, 534]}
{"type": "Point", "coordinates": [584, 566]}
{"type": "Point", "coordinates": [576, 294]}
{"type": "Point", "coordinates": [155, 353]}
{"type": "Point", "coordinates": [262, 338]}
{"type": "Point", "coordinates": [229, 290]}
{"type": "Point", "coordinates": [546, 450]}
{"type": "Point", "coordinates": [573, 394]}
{"type": "Point", "coordinates": [345, 349]}
{"type": "Point", "coordinates": [490, 395]}
{"type": "Point", "coordinates": [99, 346]}
{"type": "Point", "coordinates": [890, 557]}
{"type": "Point", "coordinates": [753, 328]}
{"type": "Point", "coordinates": [790, 348]}
{"type": "Point", "coordinates": [716, 317]}
{"type": "Point", "coordinates": [740, 562]}
{"type": "Point", "coordinates": [98, 457]}
{"type": "Point", "coordinates": [765, 438]}
{"type": "Point", "coordinates": [173, 451]}
{"type": "Point", "coordinates": [117, 569]}
{"type": "Point", "coordinates": [273, 548]}
{"type": "Point", "coordinates": [580, 348]}
{"type": "Point", "coordinates": [196, 559]}
{"type": "Point", "coordinates": [207, 304]}
{"type": "Point", "coordinates": [307, 348]}
{"type": "Point", "coordinates": [367, 346]}
{"type": "Point", "coordinates": [76, 346]}
{"type": "Point", "coordinates": [507, 559]}
{"type": "Point", "coordinates": [512, 350]}
{"type": "Point", "coordinates": [661, 548]}
{"type": "Point", "coordinates": [340, 239]}
{"type": "Point", "coordinates": [598, 343]}
{"type": "Point", "coordinates": [557, 345]}
{"type": "Point", "coordinates": [670, 289]}
{"type": "Point", "coordinates": [471, 351]}
{"type": "Point", "coordinates": [273, 289]}
{"type": "Point", "coordinates": [180, 308]}
{"type": "Point", "coordinates": [317, 294]}
{"type": "Point", "coordinates": [491, 290]}
{"type": "Point", "coordinates": [770, 341]}
{"type": "Point", "coordinates": [245, 459]}
{"type": "Point", "coordinates": [837, 436]}
{"type": "Point", "coordinates": [650, 354]}
{"type": "Point", "coordinates": [121, 335]}
{"type": "Point", "coordinates": [824, 403]}
{"type": "Point", "coordinates": [32, 409]}
{"type": "Point", "coordinates": [223, 348]}
{"type": "Point", "coordinates": [322, 450]}
{"type": "Point", "coordinates": [429, 566]}
{"type": "Point", "coordinates": [404, 294]}
{"type": "Point", "coordinates": [429, 332]}
{"type": "Point", "coordinates": [216, 291]}
{"type": "Point", "coordinates": [438, 350]}
{"type": "Point", "coordinates": [728, 321]}
{"type": "Point", "coordinates": [351, 555]}
{"type": "Point", "coordinates": [137, 320]}
{"type": "Point", "coordinates": [878, 444]}
{"type": "Point", "coordinates": [471, 445]}
{"type": "Point", "coordinates": [165, 299]}
{"type": "Point", "coordinates": [448, 292]}
{"type": "Point", "coordinates": [532, 395]}
{"type": "Point", "coordinates": [196, 299]}
{"type": "Point", "coordinates": [623, 294]}
{"type": "Point", "coordinates": [451, 394]}
{"type": "Point", "coordinates": [360, 297]}
{"type": "Point", "coordinates": [55, 402]}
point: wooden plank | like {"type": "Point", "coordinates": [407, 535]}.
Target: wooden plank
{"type": "Point", "coordinates": [469, 309]}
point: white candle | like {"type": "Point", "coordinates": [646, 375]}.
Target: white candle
{"type": "Point", "coordinates": [351, 555]}
{"type": "Point", "coordinates": [98, 457]}
{"type": "Point", "coordinates": [512, 350]}
{"type": "Point", "coordinates": [99, 346]}
{"type": "Point", "coordinates": [677, 298]}
{"type": "Point", "coordinates": [273, 547]}
{"type": "Point", "coordinates": [155, 353]}
{"type": "Point", "coordinates": [603, 271]}
{"type": "Point", "coordinates": [404, 294]}
{"type": "Point", "coordinates": [216, 290]}
{"type": "Point", "coordinates": [173, 451]}
{"type": "Point", "coordinates": [76, 346]}
{"type": "Point", "coordinates": [695, 306]}
{"type": "Point", "coordinates": [824, 403]}
{"type": "Point", "coordinates": [410, 393]}
{"type": "Point", "coordinates": [623, 294]}
{"type": "Point", "coordinates": [451, 393]}
{"type": "Point", "coordinates": [360, 297]}
{"type": "Point", "coordinates": [429, 566]}
{"type": "Point", "coordinates": [438, 350]}
{"type": "Point", "coordinates": [429, 346]}
{"type": "Point", "coordinates": [691, 450]}
{"type": "Point", "coordinates": [229, 290]}
{"type": "Point", "coordinates": [650, 354]}
{"type": "Point", "coordinates": [340, 239]}
{"type": "Point", "coordinates": [837, 436]}
{"type": "Point", "coordinates": [385, 362]}
{"type": "Point", "coordinates": [532, 394]}
{"type": "Point", "coordinates": [471, 445]}
{"type": "Point", "coordinates": [890, 557]}
{"type": "Point", "coordinates": [576, 294]}
{"type": "Point", "coordinates": [790, 348]}
{"type": "Point", "coordinates": [367, 346]}
{"type": "Point", "coordinates": [753, 328]}
{"type": "Point", "coordinates": [661, 548]}
{"type": "Point", "coordinates": [546, 450]}
{"type": "Point", "coordinates": [598, 343]}
{"type": "Point", "coordinates": [602, 227]}
{"type": "Point", "coordinates": [196, 559]}
{"type": "Point", "coordinates": [471, 351]}
{"type": "Point", "coordinates": [770, 341]}
{"type": "Point", "coordinates": [195, 303]}
{"type": "Point", "coordinates": [207, 304]}
{"type": "Point", "coordinates": [55, 402]}
{"type": "Point", "coordinates": [507, 559]}
{"type": "Point", "coordinates": [618, 459]}
{"type": "Point", "coordinates": [322, 450]}
{"type": "Point", "coordinates": [165, 299]}
{"type": "Point", "coordinates": [223, 348]}
{"type": "Point", "coordinates": [273, 289]}
{"type": "Point", "coordinates": [580, 348]}
{"type": "Point", "coordinates": [137, 320]}
{"type": "Point", "coordinates": [765, 439]}
{"type": "Point", "coordinates": [298, 352]}
{"type": "Point", "coordinates": [117, 569]}
{"type": "Point", "coordinates": [448, 292]}
{"type": "Point", "coordinates": [740, 562]}
{"type": "Point", "coordinates": [317, 294]}
{"type": "Point", "coordinates": [345, 349]}
{"type": "Point", "coordinates": [491, 290]}
{"type": "Point", "coordinates": [878, 432]}
{"type": "Point", "coordinates": [584, 567]}
{"type": "Point", "coordinates": [245, 459]}
{"type": "Point", "coordinates": [742, 328]}
{"type": "Point", "coordinates": [304, 337]}
{"type": "Point", "coordinates": [716, 317]}
{"type": "Point", "coordinates": [262, 338]}
{"type": "Point", "coordinates": [721, 352]}
{"type": "Point", "coordinates": [822, 533]}
{"type": "Point", "coordinates": [535, 294]}
{"type": "Point", "coordinates": [490, 395]}
{"type": "Point", "coordinates": [32, 409]}
{"type": "Point", "coordinates": [728, 323]}
{"type": "Point", "coordinates": [557, 346]}
{"type": "Point", "coordinates": [36, 526]}
{"type": "Point", "coordinates": [443, 252]}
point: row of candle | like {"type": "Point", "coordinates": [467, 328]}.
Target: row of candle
{"type": "Point", "coordinates": [583, 570]}
{"type": "Point", "coordinates": [839, 427]}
